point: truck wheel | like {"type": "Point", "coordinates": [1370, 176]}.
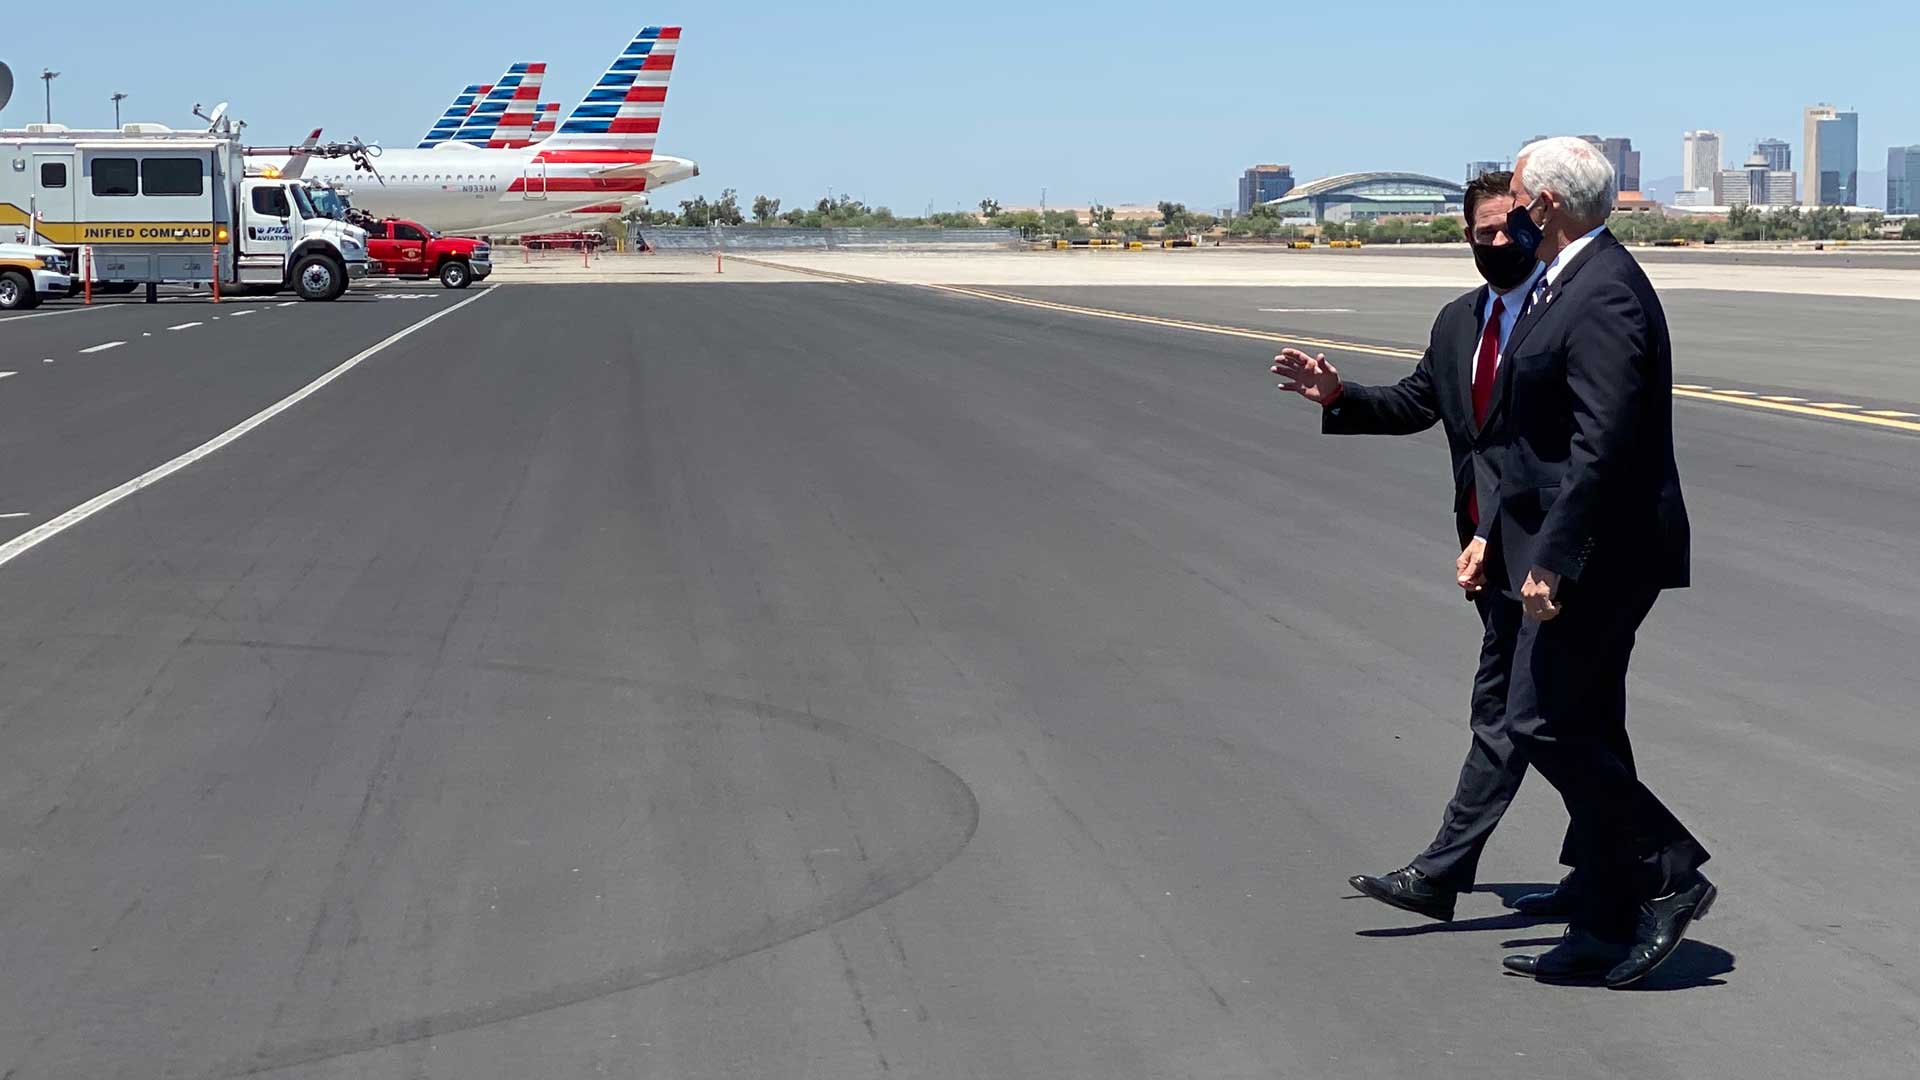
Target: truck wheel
{"type": "Point", "coordinates": [455, 274]}
{"type": "Point", "coordinates": [318, 277]}
{"type": "Point", "coordinates": [16, 292]}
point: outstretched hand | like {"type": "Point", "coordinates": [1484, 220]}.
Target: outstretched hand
{"type": "Point", "coordinates": [1312, 377]}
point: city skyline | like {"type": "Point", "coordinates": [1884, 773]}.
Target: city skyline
{"type": "Point", "coordinates": [965, 116]}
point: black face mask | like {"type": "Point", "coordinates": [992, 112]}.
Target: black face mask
{"type": "Point", "coordinates": [1521, 229]}
{"type": "Point", "coordinates": [1504, 265]}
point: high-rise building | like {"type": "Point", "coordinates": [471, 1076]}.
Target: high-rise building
{"type": "Point", "coordinates": [1754, 184]}
{"type": "Point", "coordinates": [1831, 156]}
{"type": "Point", "coordinates": [1903, 179]}
{"type": "Point", "coordinates": [1475, 168]}
{"type": "Point", "coordinates": [1778, 152]}
{"type": "Point", "coordinates": [1264, 183]}
{"type": "Point", "coordinates": [1699, 159]}
{"type": "Point", "coordinates": [1625, 161]}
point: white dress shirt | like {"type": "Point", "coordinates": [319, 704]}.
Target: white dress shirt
{"type": "Point", "coordinates": [1567, 253]}
{"type": "Point", "coordinates": [1512, 303]}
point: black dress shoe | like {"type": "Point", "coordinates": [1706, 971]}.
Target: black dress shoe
{"type": "Point", "coordinates": [1560, 902]}
{"type": "Point", "coordinates": [1659, 927]}
{"type": "Point", "coordinates": [1409, 890]}
{"type": "Point", "coordinates": [1579, 956]}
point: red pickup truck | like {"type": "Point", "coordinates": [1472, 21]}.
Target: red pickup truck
{"type": "Point", "coordinates": [405, 248]}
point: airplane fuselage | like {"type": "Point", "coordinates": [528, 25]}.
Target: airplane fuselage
{"type": "Point", "coordinates": [467, 189]}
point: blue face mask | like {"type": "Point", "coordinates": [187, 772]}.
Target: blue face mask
{"type": "Point", "coordinates": [1521, 229]}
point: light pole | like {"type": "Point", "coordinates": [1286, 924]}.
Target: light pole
{"type": "Point", "coordinates": [47, 75]}
{"type": "Point", "coordinates": [118, 97]}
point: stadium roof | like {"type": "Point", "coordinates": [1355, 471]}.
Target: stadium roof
{"type": "Point", "coordinates": [1344, 181]}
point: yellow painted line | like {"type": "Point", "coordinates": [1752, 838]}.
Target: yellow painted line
{"type": "Point", "coordinates": [1825, 410]}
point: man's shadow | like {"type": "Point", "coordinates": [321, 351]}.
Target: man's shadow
{"type": "Point", "coordinates": [1694, 964]}
{"type": "Point", "coordinates": [1513, 920]}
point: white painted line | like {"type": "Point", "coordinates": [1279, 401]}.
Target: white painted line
{"type": "Point", "coordinates": [104, 347]}
{"type": "Point", "coordinates": [1780, 397]}
{"type": "Point", "coordinates": [48, 360]}
{"type": "Point", "coordinates": [288, 303]}
{"type": "Point", "coordinates": [249, 311]}
{"type": "Point", "coordinates": [1833, 404]}
{"type": "Point", "coordinates": [1737, 393]}
{"type": "Point", "coordinates": [1690, 386]}
{"type": "Point", "coordinates": [1895, 413]}
{"type": "Point", "coordinates": [17, 514]}
{"type": "Point", "coordinates": [51, 314]}
{"type": "Point", "coordinates": [8, 374]}
{"type": "Point", "coordinates": [186, 326]}
{"type": "Point", "coordinates": [40, 534]}
{"type": "Point", "coordinates": [1310, 310]}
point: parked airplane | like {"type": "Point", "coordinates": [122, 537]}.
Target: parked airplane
{"type": "Point", "coordinates": [601, 158]}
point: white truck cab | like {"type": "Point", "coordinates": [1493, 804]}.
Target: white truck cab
{"type": "Point", "coordinates": [287, 240]}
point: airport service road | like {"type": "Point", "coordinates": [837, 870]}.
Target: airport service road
{"type": "Point", "coordinates": [849, 681]}
{"type": "Point", "coordinates": [1855, 349]}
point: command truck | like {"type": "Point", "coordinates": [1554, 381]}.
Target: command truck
{"type": "Point", "coordinates": [409, 249]}
{"type": "Point", "coordinates": [147, 204]}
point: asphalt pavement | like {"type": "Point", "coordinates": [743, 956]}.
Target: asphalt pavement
{"type": "Point", "coordinates": [819, 680]}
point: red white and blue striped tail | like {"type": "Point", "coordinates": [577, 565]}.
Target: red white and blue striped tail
{"type": "Point", "coordinates": [506, 112]}
{"type": "Point", "coordinates": [547, 122]}
{"type": "Point", "coordinates": [456, 114]}
{"type": "Point", "coordinates": [622, 111]}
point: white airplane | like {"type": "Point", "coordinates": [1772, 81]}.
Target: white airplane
{"type": "Point", "coordinates": [600, 160]}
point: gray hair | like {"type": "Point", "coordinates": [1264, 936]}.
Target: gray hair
{"type": "Point", "coordinates": [1572, 169]}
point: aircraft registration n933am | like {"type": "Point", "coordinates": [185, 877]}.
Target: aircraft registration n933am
{"type": "Point", "coordinates": [483, 178]}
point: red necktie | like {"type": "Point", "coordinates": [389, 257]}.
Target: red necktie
{"type": "Point", "coordinates": [1483, 370]}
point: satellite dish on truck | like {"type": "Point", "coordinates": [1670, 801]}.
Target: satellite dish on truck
{"type": "Point", "coordinates": [6, 84]}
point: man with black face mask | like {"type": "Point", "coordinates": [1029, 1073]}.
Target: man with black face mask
{"type": "Point", "coordinates": [1452, 386]}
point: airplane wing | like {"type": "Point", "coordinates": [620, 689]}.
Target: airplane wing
{"type": "Point", "coordinates": [297, 164]}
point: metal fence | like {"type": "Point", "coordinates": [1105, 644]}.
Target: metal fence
{"type": "Point", "coordinates": [752, 238]}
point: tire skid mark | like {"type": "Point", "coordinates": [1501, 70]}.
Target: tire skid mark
{"type": "Point", "coordinates": [957, 811]}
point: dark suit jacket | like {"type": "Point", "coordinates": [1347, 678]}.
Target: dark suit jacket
{"type": "Point", "coordinates": [1582, 427]}
{"type": "Point", "coordinates": [1440, 390]}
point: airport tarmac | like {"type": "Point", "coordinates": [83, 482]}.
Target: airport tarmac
{"type": "Point", "coordinates": [811, 679]}
{"type": "Point", "coordinates": [1320, 267]}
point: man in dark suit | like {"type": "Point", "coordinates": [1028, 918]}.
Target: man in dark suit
{"type": "Point", "coordinates": [1452, 386]}
{"type": "Point", "coordinates": [1587, 526]}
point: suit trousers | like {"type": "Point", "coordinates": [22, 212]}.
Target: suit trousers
{"type": "Point", "coordinates": [1566, 715]}
{"type": "Point", "coordinates": [1491, 774]}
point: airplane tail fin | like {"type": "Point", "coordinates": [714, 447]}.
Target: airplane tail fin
{"type": "Point", "coordinates": [506, 112]}
{"type": "Point", "coordinates": [547, 121]}
{"type": "Point", "coordinates": [622, 111]}
{"type": "Point", "coordinates": [456, 114]}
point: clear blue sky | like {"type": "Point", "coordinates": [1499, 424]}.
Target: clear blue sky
{"type": "Point", "coordinates": [1120, 101]}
